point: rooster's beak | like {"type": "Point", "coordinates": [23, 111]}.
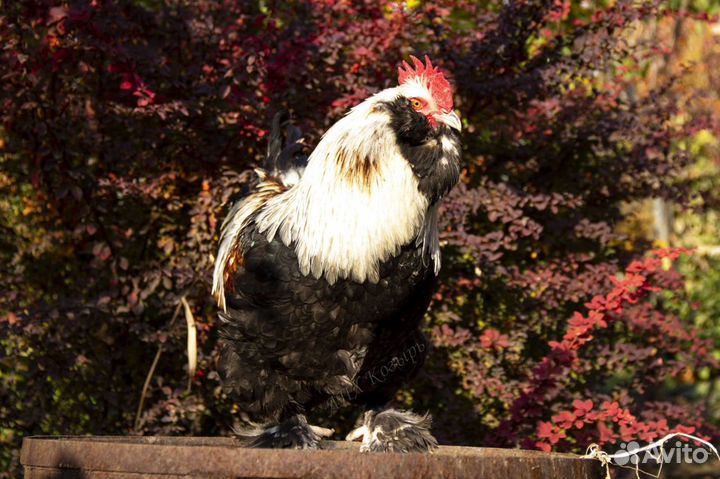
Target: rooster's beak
{"type": "Point", "coordinates": [450, 119]}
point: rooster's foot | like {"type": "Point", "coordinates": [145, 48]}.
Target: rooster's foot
{"type": "Point", "coordinates": [394, 431]}
{"type": "Point", "coordinates": [294, 433]}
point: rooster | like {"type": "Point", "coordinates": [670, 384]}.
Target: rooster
{"type": "Point", "coordinates": [327, 266]}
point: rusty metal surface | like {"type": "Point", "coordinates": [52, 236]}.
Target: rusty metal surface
{"type": "Point", "coordinates": [217, 457]}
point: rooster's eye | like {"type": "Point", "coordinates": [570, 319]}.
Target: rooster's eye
{"type": "Point", "coordinates": [416, 104]}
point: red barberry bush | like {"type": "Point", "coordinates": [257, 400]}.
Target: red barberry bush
{"type": "Point", "coordinates": [128, 126]}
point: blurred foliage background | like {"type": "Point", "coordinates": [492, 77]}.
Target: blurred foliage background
{"type": "Point", "coordinates": [591, 137]}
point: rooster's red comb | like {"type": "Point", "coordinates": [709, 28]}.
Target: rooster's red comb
{"type": "Point", "coordinates": [431, 77]}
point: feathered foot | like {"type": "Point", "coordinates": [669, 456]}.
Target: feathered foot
{"type": "Point", "coordinates": [294, 433]}
{"type": "Point", "coordinates": [394, 431]}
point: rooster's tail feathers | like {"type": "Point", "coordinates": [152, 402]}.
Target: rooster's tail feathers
{"type": "Point", "coordinates": [286, 158]}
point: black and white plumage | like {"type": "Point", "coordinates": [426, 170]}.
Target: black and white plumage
{"type": "Point", "coordinates": [326, 268]}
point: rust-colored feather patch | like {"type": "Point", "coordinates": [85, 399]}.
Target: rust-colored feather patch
{"type": "Point", "coordinates": [234, 262]}
{"type": "Point", "coordinates": [268, 187]}
{"type": "Point", "coordinates": [356, 170]}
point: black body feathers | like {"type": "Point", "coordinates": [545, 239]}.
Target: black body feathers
{"type": "Point", "coordinates": [292, 342]}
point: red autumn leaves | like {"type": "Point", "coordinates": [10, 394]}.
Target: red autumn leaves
{"type": "Point", "coordinates": [612, 421]}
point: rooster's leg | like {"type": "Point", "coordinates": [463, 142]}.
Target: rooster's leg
{"type": "Point", "coordinates": [293, 433]}
{"type": "Point", "coordinates": [391, 430]}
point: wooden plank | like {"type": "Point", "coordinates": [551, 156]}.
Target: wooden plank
{"type": "Point", "coordinates": [219, 457]}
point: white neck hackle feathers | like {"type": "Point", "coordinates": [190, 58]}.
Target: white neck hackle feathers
{"type": "Point", "coordinates": [356, 204]}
